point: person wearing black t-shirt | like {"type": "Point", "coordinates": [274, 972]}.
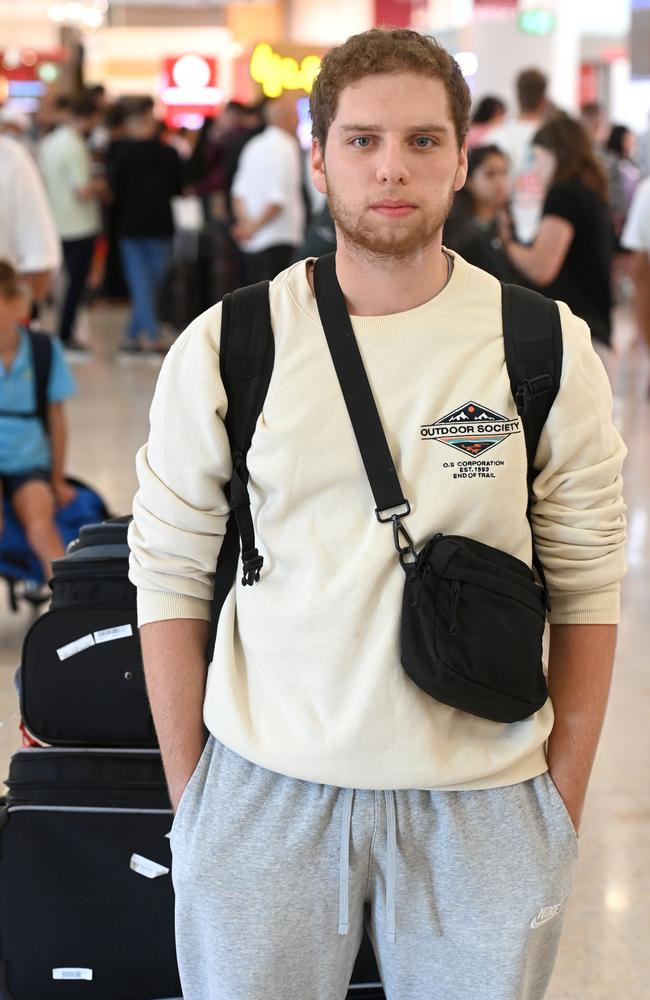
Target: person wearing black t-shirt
{"type": "Point", "coordinates": [144, 177]}
{"type": "Point", "coordinates": [472, 226]}
{"type": "Point", "coordinates": [571, 256]}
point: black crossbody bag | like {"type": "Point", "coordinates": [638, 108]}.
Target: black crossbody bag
{"type": "Point", "coordinates": [473, 616]}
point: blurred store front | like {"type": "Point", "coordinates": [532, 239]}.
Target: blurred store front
{"type": "Point", "coordinates": [220, 51]}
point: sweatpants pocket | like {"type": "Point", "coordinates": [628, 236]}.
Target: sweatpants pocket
{"type": "Point", "coordinates": [207, 749]}
{"type": "Point", "coordinates": [560, 806]}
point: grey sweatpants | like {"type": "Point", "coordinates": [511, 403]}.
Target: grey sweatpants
{"type": "Point", "coordinates": [462, 892]}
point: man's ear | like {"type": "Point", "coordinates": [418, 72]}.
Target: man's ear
{"type": "Point", "coordinates": [461, 170]}
{"type": "Point", "coordinates": [318, 167]}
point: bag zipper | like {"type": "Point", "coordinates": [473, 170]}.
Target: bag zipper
{"type": "Point", "coordinates": [455, 594]}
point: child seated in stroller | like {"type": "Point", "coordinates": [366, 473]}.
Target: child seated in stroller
{"type": "Point", "coordinates": [32, 423]}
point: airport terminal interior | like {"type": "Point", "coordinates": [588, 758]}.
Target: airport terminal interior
{"type": "Point", "coordinates": [175, 69]}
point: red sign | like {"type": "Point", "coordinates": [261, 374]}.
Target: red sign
{"type": "Point", "coordinates": [399, 13]}
{"type": "Point", "coordinates": [494, 10]}
{"type": "Point", "coordinates": [189, 87]}
{"type": "Point", "coordinates": [588, 86]}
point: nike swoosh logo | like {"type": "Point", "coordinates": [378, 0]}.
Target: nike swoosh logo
{"type": "Point", "coordinates": [538, 923]}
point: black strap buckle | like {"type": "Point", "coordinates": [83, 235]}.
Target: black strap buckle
{"type": "Point", "coordinates": [252, 563]}
{"type": "Point", "coordinates": [407, 553]}
{"type": "Point", "coordinates": [401, 510]}
{"type": "Point", "coordinates": [530, 388]}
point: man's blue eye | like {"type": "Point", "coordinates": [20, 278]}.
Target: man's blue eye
{"type": "Point", "coordinates": [424, 142]}
{"type": "Point", "coordinates": [363, 141]}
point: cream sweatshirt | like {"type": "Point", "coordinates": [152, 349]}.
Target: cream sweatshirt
{"type": "Point", "coordinates": [306, 678]}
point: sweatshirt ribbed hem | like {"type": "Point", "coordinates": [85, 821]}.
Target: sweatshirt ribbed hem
{"type": "Point", "coordinates": [587, 607]}
{"type": "Point", "coordinates": [319, 770]}
{"type": "Point", "coordinates": [154, 606]}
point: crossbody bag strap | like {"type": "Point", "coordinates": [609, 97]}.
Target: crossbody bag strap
{"type": "Point", "coordinates": [391, 504]}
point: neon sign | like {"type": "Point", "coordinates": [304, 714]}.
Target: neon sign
{"type": "Point", "coordinates": [537, 22]}
{"type": "Point", "coordinates": [277, 73]}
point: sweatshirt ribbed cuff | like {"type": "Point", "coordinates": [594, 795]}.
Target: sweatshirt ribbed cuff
{"type": "Point", "coordinates": [586, 607]}
{"type": "Point", "coordinates": [157, 606]}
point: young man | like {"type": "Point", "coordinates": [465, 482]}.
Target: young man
{"type": "Point", "coordinates": [74, 196]}
{"type": "Point", "coordinates": [514, 138]}
{"type": "Point", "coordinates": [267, 197]}
{"type": "Point", "coordinates": [144, 176]}
{"type": "Point", "coordinates": [28, 237]}
{"type": "Point", "coordinates": [330, 785]}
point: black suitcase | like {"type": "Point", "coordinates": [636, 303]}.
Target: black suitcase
{"type": "Point", "coordinates": [81, 676]}
{"type": "Point", "coordinates": [205, 266]}
{"type": "Point", "coordinates": [365, 984]}
{"type": "Point", "coordinates": [87, 904]}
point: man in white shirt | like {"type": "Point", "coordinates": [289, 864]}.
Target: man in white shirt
{"type": "Point", "coordinates": [268, 201]}
{"type": "Point", "coordinates": [515, 138]}
{"type": "Point", "coordinates": [636, 237]}
{"type": "Point", "coordinates": [74, 197]}
{"type": "Point", "coordinates": [28, 237]}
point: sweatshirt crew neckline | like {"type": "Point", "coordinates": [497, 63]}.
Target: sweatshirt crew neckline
{"type": "Point", "coordinates": [447, 299]}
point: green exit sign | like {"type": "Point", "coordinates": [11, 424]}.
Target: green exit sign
{"type": "Point", "coordinates": [536, 22]}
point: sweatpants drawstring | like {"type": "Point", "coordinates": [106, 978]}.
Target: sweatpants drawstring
{"type": "Point", "coordinates": [391, 864]}
{"type": "Point", "coordinates": [344, 863]}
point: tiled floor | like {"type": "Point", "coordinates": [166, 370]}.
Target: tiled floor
{"type": "Point", "coordinates": [605, 952]}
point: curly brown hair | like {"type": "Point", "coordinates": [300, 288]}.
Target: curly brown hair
{"type": "Point", "coordinates": [386, 50]}
{"type": "Point", "coordinates": [569, 141]}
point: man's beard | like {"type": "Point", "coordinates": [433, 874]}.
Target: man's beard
{"type": "Point", "coordinates": [394, 241]}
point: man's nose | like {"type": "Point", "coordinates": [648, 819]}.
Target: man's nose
{"type": "Point", "coordinates": [391, 168]}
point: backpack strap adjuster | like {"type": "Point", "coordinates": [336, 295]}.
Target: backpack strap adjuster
{"type": "Point", "coordinates": [252, 563]}
{"type": "Point", "coordinates": [529, 388]}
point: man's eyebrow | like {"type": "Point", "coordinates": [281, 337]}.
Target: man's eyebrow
{"type": "Point", "coordinates": [429, 127]}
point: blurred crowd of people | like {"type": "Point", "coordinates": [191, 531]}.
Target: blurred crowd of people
{"type": "Point", "coordinates": [165, 221]}
{"type": "Point", "coordinates": [548, 203]}
{"type": "Point", "coordinates": [170, 219]}
{"type": "Point", "coordinates": [110, 193]}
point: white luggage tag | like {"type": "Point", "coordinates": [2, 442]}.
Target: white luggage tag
{"type": "Point", "coordinates": [73, 974]}
{"type": "Point", "coordinates": [94, 638]}
{"type": "Point", "coordinates": [78, 646]}
{"type": "Point", "coordinates": [111, 634]}
{"type": "Point", "coordinates": [143, 866]}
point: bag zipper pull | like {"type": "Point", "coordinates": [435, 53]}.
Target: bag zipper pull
{"type": "Point", "coordinates": [455, 594]}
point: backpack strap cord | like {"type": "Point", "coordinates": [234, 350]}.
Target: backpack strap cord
{"type": "Point", "coordinates": [240, 503]}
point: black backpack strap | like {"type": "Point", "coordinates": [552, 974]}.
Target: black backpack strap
{"type": "Point", "coordinates": [42, 354]}
{"type": "Point", "coordinates": [246, 359]}
{"type": "Point", "coordinates": [532, 335]}
{"type": "Point", "coordinates": [41, 348]}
